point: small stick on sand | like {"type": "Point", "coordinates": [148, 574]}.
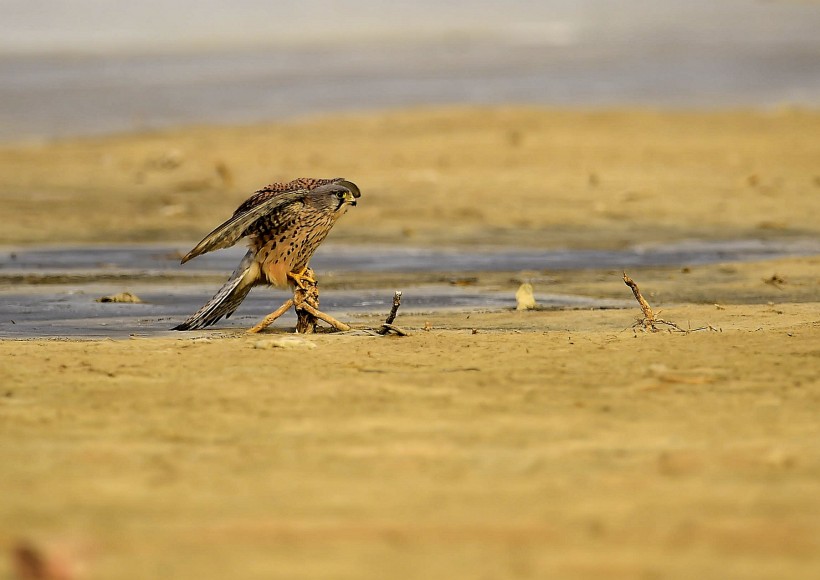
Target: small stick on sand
{"type": "Point", "coordinates": [393, 328]}
{"type": "Point", "coordinates": [648, 316]}
{"type": "Point", "coordinates": [306, 303]}
{"type": "Point", "coordinates": [270, 318]}
{"type": "Point", "coordinates": [388, 323]}
{"type": "Point", "coordinates": [650, 321]}
{"type": "Point", "coordinates": [322, 316]}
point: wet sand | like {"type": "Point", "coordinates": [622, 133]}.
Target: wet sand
{"type": "Point", "coordinates": [498, 443]}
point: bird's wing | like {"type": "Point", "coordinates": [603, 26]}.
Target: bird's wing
{"type": "Point", "coordinates": [227, 234]}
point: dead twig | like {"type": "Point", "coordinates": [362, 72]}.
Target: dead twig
{"type": "Point", "coordinates": [388, 325]}
{"type": "Point", "coordinates": [648, 316]}
{"type": "Point", "coordinates": [650, 321]}
{"type": "Point", "coordinates": [271, 318]}
{"type": "Point", "coordinates": [306, 303]}
{"type": "Point", "coordinates": [393, 328]}
{"type": "Point", "coordinates": [324, 317]}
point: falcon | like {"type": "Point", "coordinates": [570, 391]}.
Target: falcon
{"type": "Point", "coordinates": [284, 224]}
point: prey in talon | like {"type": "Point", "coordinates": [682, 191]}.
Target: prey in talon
{"type": "Point", "coordinates": [284, 223]}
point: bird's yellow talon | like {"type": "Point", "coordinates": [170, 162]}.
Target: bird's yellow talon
{"type": "Point", "coordinates": [299, 278]}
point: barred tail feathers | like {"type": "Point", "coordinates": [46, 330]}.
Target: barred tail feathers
{"type": "Point", "coordinates": [228, 299]}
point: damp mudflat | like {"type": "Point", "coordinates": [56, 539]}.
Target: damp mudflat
{"type": "Point", "coordinates": [56, 292]}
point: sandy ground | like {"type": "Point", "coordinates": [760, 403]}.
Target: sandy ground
{"type": "Point", "coordinates": [496, 444]}
{"type": "Point", "coordinates": [516, 176]}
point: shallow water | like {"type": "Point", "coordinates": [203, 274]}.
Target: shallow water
{"type": "Point", "coordinates": [163, 260]}
{"type": "Point", "coordinates": [47, 306]}
{"type": "Point", "coordinates": [63, 311]}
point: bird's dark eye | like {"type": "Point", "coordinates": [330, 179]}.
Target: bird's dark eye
{"type": "Point", "coordinates": [340, 194]}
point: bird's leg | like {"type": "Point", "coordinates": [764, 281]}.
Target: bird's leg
{"type": "Point", "coordinates": [306, 302]}
{"type": "Point", "coordinates": [307, 294]}
{"type": "Point", "coordinates": [299, 278]}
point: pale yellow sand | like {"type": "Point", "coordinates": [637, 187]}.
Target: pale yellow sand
{"type": "Point", "coordinates": [522, 176]}
{"type": "Point", "coordinates": [544, 444]}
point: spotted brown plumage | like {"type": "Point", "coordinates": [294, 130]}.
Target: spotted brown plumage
{"type": "Point", "coordinates": [284, 224]}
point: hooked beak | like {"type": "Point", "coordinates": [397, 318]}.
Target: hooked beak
{"type": "Point", "coordinates": [352, 188]}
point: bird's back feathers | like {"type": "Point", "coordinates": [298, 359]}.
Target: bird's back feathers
{"type": "Point", "coordinates": [231, 231]}
{"type": "Point", "coordinates": [273, 199]}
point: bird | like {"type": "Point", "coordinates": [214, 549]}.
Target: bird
{"type": "Point", "coordinates": [285, 223]}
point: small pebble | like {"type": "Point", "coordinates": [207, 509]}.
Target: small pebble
{"type": "Point", "coordinates": [124, 297]}
{"type": "Point", "coordinates": [524, 297]}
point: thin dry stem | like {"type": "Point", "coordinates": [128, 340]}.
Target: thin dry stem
{"type": "Point", "coordinates": [388, 323]}
{"type": "Point", "coordinates": [324, 317]}
{"type": "Point", "coordinates": [648, 316]}
{"type": "Point", "coordinates": [271, 318]}
{"type": "Point", "coordinates": [650, 321]}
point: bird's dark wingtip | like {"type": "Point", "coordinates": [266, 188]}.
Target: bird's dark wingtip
{"type": "Point", "coordinates": [182, 326]}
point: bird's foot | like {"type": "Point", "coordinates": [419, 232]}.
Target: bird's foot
{"type": "Point", "coordinates": [299, 278]}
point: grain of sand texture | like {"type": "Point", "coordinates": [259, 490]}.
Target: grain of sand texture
{"type": "Point", "coordinates": [499, 444]}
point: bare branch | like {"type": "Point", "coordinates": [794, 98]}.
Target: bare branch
{"type": "Point", "coordinates": [324, 317]}
{"type": "Point", "coordinates": [648, 316]}
{"type": "Point", "coordinates": [270, 318]}
{"type": "Point", "coordinates": [388, 323]}
{"type": "Point", "coordinates": [650, 321]}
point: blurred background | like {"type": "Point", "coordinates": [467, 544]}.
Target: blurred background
{"type": "Point", "coordinates": [70, 67]}
{"type": "Point", "coordinates": [676, 139]}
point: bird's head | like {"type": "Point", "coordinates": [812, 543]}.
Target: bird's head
{"type": "Point", "coordinates": [335, 197]}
